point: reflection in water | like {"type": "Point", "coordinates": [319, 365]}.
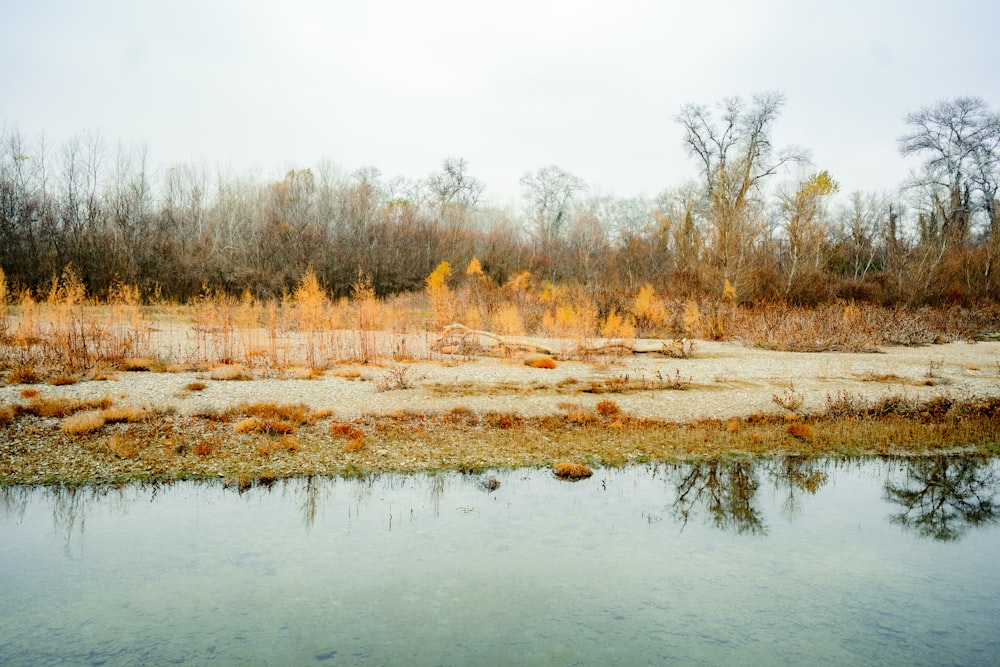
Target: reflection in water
{"type": "Point", "coordinates": [942, 497]}
{"type": "Point", "coordinates": [797, 475]}
{"type": "Point", "coordinates": [432, 569]}
{"type": "Point", "coordinates": [726, 490]}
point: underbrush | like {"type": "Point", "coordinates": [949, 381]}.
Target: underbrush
{"type": "Point", "coordinates": [65, 335]}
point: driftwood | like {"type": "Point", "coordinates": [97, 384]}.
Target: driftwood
{"type": "Point", "coordinates": [460, 339]}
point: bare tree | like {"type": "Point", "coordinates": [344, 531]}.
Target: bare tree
{"type": "Point", "coordinates": [960, 142]}
{"type": "Point", "coordinates": [735, 157]}
{"type": "Point", "coordinates": [548, 194]}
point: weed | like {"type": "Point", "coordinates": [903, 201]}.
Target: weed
{"type": "Point", "coordinates": [28, 393]}
{"type": "Point", "coordinates": [195, 386]}
{"type": "Point", "coordinates": [790, 399]}
{"type": "Point", "coordinates": [397, 377]}
{"type": "Point", "coordinates": [62, 381]}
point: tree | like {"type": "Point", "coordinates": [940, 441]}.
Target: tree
{"type": "Point", "coordinates": [548, 193]}
{"type": "Point", "coordinates": [804, 215]}
{"type": "Point", "coordinates": [960, 142]}
{"type": "Point", "coordinates": [735, 157]}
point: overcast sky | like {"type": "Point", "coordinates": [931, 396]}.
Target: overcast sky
{"type": "Point", "coordinates": [510, 86]}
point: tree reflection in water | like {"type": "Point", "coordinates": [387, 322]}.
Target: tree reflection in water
{"type": "Point", "coordinates": [799, 475]}
{"type": "Point", "coordinates": [942, 497]}
{"type": "Point", "coordinates": [726, 490]}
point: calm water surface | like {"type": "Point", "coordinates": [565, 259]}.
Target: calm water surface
{"type": "Point", "coordinates": [775, 562]}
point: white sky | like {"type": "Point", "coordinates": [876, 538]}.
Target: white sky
{"type": "Point", "coordinates": [511, 86]}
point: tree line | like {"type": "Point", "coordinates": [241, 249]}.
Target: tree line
{"type": "Point", "coordinates": [756, 222]}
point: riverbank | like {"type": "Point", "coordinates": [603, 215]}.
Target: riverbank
{"type": "Point", "coordinates": [474, 413]}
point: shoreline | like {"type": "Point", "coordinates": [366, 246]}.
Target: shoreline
{"type": "Point", "coordinates": [474, 413]}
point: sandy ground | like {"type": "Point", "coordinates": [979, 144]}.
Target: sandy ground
{"type": "Point", "coordinates": [719, 380]}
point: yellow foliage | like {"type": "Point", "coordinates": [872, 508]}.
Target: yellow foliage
{"type": "Point", "coordinates": [729, 292]}
{"type": "Point", "coordinates": [3, 289]}
{"type": "Point", "coordinates": [520, 282]}
{"type": "Point", "coordinates": [475, 268]}
{"type": "Point", "coordinates": [507, 321]}
{"type": "Point", "coordinates": [437, 282]}
{"type": "Point", "coordinates": [617, 326]}
{"type": "Point", "coordinates": [648, 310]}
{"type": "Point", "coordinates": [692, 319]}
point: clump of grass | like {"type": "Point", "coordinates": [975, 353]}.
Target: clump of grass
{"type": "Point", "coordinates": [608, 408]}
{"type": "Point", "coordinates": [229, 372]}
{"type": "Point", "coordinates": [62, 380]}
{"type": "Point", "coordinates": [264, 425]}
{"type": "Point", "coordinates": [800, 430]}
{"type": "Point", "coordinates": [29, 393]}
{"type": "Point", "coordinates": [83, 423]}
{"type": "Point", "coordinates": [24, 375]}
{"type": "Point", "coordinates": [7, 414]}
{"type": "Point", "coordinates": [195, 386]}
{"type": "Point", "coordinates": [571, 471]}
{"type": "Point", "coordinates": [203, 448]}
{"type": "Point", "coordinates": [540, 362]}
{"type": "Point", "coordinates": [296, 413]}
{"type": "Point", "coordinates": [304, 373]}
{"type": "Point", "coordinates": [502, 420]}
{"type": "Point", "coordinates": [123, 446]}
{"type": "Point", "coordinates": [125, 415]}
{"type": "Point", "coordinates": [347, 373]}
{"type": "Point", "coordinates": [141, 365]}
{"type": "Point", "coordinates": [63, 407]}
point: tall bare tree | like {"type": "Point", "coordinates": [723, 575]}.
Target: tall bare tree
{"type": "Point", "coordinates": [735, 155]}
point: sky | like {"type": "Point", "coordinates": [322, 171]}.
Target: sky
{"type": "Point", "coordinates": [257, 88]}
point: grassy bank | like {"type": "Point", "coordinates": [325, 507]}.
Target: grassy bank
{"type": "Point", "coordinates": [51, 442]}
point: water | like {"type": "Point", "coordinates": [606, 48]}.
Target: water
{"type": "Point", "coordinates": [776, 562]}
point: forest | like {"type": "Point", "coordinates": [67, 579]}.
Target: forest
{"type": "Point", "coordinates": [756, 223]}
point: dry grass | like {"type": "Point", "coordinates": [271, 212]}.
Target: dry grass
{"type": "Point", "coordinates": [83, 423]}
{"type": "Point", "coordinates": [62, 407]}
{"type": "Point", "coordinates": [540, 362]}
{"type": "Point", "coordinates": [607, 408]}
{"type": "Point", "coordinates": [118, 415]}
{"type": "Point", "coordinates": [203, 448]}
{"type": "Point", "coordinates": [195, 386]}
{"type": "Point", "coordinates": [800, 430]}
{"type": "Point", "coordinates": [269, 426]}
{"type": "Point", "coordinates": [573, 471]}
{"type": "Point", "coordinates": [24, 375]}
{"type": "Point", "coordinates": [123, 446]}
{"type": "Point", "coordinates": [347, 373]}
{"type": "Point", "coordinates": [141, 365]}
{"type": "Point", "coordinates": [229, 372]}
{"type": "Point", "coordinates": [28, 393]}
